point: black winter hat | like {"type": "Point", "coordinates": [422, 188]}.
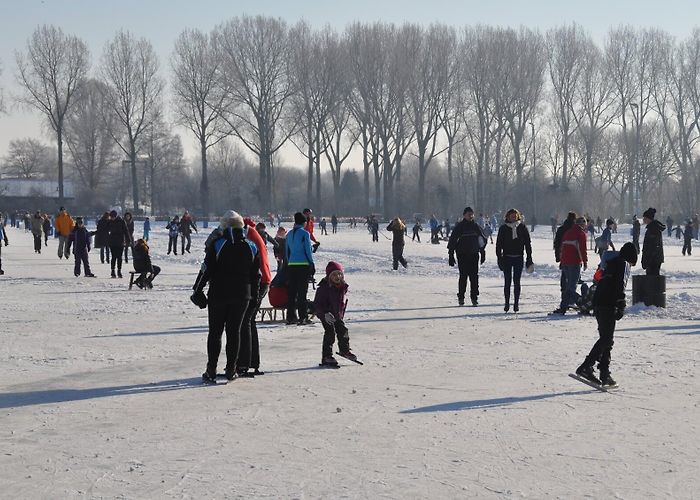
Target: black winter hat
{"type": "Point", "coordinates": [299, 218]}
{"type": "Point", "coordinates": [629, 253]}
{"type": "Point", "coordinates": [468, 209]}
{"type": "Point", "coordinates": [649, 213]}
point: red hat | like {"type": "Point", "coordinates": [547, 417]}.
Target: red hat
{"type": "Point", "coordinates": [333, 266]}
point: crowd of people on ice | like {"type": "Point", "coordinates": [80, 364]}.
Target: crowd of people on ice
{"type": "Point", "coordinates": [237, 271]}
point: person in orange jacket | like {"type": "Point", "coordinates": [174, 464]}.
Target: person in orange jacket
{"type": "Point", "coordinates": [249, 350]}
{"type": "Point", "coordinates": [64, 226]}
{"type": "Point", "coordinates": [309, 226]}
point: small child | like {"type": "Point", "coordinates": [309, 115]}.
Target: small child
{"type": "Point", "coordinates": [146, 228]}
{"type": "Point", "coordinates": [143, 265]}
{"type": "Point", "coordinates": [173, 228]}
{"type": "Point", "coordinates": [79, 239]}
{"type": "Point", "coordinates": [330, 305]}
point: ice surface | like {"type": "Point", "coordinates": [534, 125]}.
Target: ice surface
{"type": "Point", "coordinates": [100, 392]}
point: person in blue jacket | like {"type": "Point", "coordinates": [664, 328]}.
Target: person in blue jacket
{"type": "Point", "coordinates": [300, 267]}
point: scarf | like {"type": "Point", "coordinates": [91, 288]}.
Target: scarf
{"type": "Point", "coordinates": [514, 227]}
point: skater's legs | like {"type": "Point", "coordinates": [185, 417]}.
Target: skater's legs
{"type": "Point", "coordinates": [234, 321]}
{"type": "Point", "coordinates": [605, 316]}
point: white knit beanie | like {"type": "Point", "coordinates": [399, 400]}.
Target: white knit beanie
{"type": "Point", "coordinates": [232, 219]}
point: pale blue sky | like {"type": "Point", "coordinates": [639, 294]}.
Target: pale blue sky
{"type": "Point", "coordinates": [161, 21]}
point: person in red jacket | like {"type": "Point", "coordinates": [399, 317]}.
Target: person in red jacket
{"type": "Point", "coordinates": [309, 226]}
{"type": "Point", "coordinates": [249, 353]}
{"type": "Point", "coordinates": [572, 256]}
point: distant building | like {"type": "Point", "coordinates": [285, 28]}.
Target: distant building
{"type": "Point", "coordinates": [31, 194]}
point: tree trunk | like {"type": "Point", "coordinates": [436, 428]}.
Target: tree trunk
{"type": "Point", "coordinates": [310, 174]}
{"type": "Point", "coordinates": [134, 177]}
{"type": "Point", "coordinates": [317, 160]}
{"type": "Point", "coordinates": [204, 185]}
{"type": "Point", "coordinates": [59, 140]}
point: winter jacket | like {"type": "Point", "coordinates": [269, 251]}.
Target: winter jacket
{"type": "Point", "coordinates": [47, 226]}
{"type": "Point", "coordinates": [118, 232]}
{"type": "Point", "coordinates": [38, 225]}
{"type": "Point", "coordinates": [467, 238]}
{"type": "Point", "coordinates": [688, 233]}
{"type": "Point", "coordinates": [309, 226]}
{"type": "Point", "coordinates": [280, 250]}
{"type": "Point", "coordinates": [231, 267]}
{"type": "Point", "coordinates": [173, 228]}
{"type": "Point", "coordinates": [142, 260]}
{"type": "Point", "coordinates": [573, 247]}
{"type": "Point", "coordinates": [653, 247]}
{"type": "Point", "coordinates": [298, 249]}
{"type": "Point", "coordinates": [398, 231]}
{"type": "Point", "coordinates": [130, 228]}
{"type": "Point", "coordinates": [254, 236]}
{"type": "Point", "coordinates": [80, 239]}
{"type": "Point", "coordinates": [187, 225]}
{"type": "Point", "coordinates": [559, 236]}
{"type": "Point", "coordinates": [330, 299]}
{"type": "Point", "coordinates": [102, 233]}
{"type": "Point", "coordinates": [611, 287]}
{"type": "Point", "coordinates": [64, 224]}
{"type": "Point", "coordinates": [506, 245]}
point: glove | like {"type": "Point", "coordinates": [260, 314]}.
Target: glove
{"type": "Point", "coordinates": [620, 309]}
{"type": "Point", "coordinates": [329, 318]}
{"type": "Point", "coordinates": [451, 259]}
{"type": "Point", "coordinates": [199, 299]}
{"type": "Point", "coordinates": [315, 247]}
{"type": "Point", "coordinates": [500, 263]}
{"type": "Point", "coordinates": [483, 258]}
{"type": "Point", "coordinates": [528, 263]}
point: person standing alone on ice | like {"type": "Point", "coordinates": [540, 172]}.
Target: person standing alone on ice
{"type": "Point", "coordinates": [63, 225]}
{"type": "Point", "coordinates": [80, 240]}
{"type": "Point", "coordinates": [330, 304]}
{"type": "Point", "coordinates": [609, 306]}
{"type": "Point", "coordinates": [688, 237]}
{"type": "Point", "coordinates": [512, 241]}
{"type": "Point", "coordinates": [398, 228]}
{"type": "Point", "coordinates": [468, 242]}
{"type": "Point", "coordinates": [653, 247]}
{"type": "Point", "coordinates": [37, 231]}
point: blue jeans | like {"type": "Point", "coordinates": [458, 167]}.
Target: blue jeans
{"type": "Point", "coordinates": [570, 275]}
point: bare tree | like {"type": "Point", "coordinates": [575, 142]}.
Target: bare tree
{"type": "Point", "coordinates": [311, 68]}
{"type": "Point", "coordinates": [50, 72]}
{"type": "Point", "coordinates": [27, 158]}
{"type": "Point", "coordinates": [89, 132]}
{"type": "Point", "coordinates": [255, 53]}
{"type": "Point", "coordinates": [133, 90]}
{"type": "Point", "coordinates": [2, 94]}
{"type": "Point", "coordinates": [566, 48]}
{"type": "Point", "coordinates": [428, 82]}
{"type": "Point", "coordinates": [199, 96]}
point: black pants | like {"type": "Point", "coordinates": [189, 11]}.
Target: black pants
{"type": "Point", "coordinates": [81, 256]}
{"type": "Point", "coordinates": [229, 317]}
{"type": "Point", "coordinates": [635, 242]}
{"type": "Point", "coordinates": [468, 268]}
{"type": "Point", "coordinates": [653, 269]}
{"type": "Point", "coordinates": [416, 236]}
{"type": "Point", "coordinates": [330, 332]}
{"type": "Point", "coordinates": [126, 253]}
{"type": "Point", "coordinates": [687, 246]}
{"type": "Point", "coordinates": [512, 271]}
{"type": "Point", "coordinates": [154, 271]}
{"type": "Point", "coordinates": [172, 245]}
{"type": "Point", "coordinates": [335, 228]}
{"type": "Point", "coordinates": [184, 237]}
{"type": "Point", "coordinates": [397, 255]}
{"type": "Point", "coordinates": [116, 252]}
{"type": "Point", "coordinates": [605, 315]}
{"type": "Point", "coordinates": [103, 251]}
{"type": "Point", "coordinates": [297, 289]}
{"type": "Point", "coordinates": [37, 243]}
{"type": "Point", "coordinates": [375, 236]}
{"type": "Point", "coordinates": [249, 354]}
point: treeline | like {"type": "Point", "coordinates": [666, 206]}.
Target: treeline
{"type": "Point", "coordinates": [426, 118]}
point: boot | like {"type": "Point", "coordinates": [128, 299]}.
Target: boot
{"type": "Point", "coordinates": [587, 373]}
{"type": "Point", "coordinates": [607, 381]}
{"type": "Point", "coordinates": [119, 273]}
{"type": "Point", "coordinates": [113, 274]}
{"type": "Point", "coordinates": [329, 361]}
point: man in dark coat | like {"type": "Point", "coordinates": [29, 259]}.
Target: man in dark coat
{"type": "Point", "coordinates": [468, 242]}
{"type": "Point", "coordinates": [609, 304]}
{"type": "Point", "coordinates": [187, 225]}
{"type": "Point", "coordinates": [653, 247]}
{"type": "Point", "coordinates": [102, 237]}
{"type": "Point", "coordinates": [398, 228]}
{"type": "Point", "coordinates": [636, 230]}
{"type": "Point", "coordinates": [118, 238]}
{"type": "Point", "coordinates": [232, 268]}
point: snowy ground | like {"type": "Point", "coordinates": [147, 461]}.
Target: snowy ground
{"type": "Point", "coordinates": [100, 392]}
